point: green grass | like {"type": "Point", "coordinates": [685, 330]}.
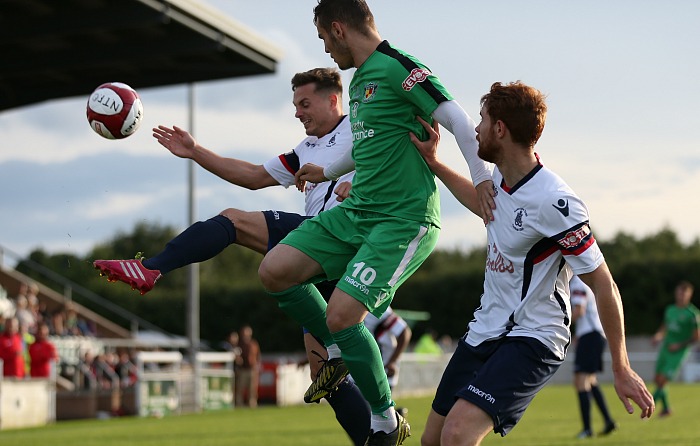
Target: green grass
{"type": "Point", "coordinates": [552, 419]}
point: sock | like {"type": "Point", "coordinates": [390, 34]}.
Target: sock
{"type": "Point", "coordinates": [584, 402]}
{"type": "Point", "coordinates": [602, 405]}
{"type": "Point", "coordinates": [351, 411]}
{"type": "Point", "coordinates": [333, 351]}
{"type": "Point", "coordinates": [362, 358]}
{"type": "Point", "coordinates": [660, 394]}
{"type": "Point", "coordinates": [385, 421]}
{"type": "Point", "coordinates": [304, 304]}
{"type": "Point", "coordinates": [201, 241]}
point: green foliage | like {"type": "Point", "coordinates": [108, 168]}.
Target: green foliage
{"type": "Point", "coordinates": [448, 285]}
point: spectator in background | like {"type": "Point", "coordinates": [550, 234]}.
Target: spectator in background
{"type": "Point", "coordinates": [27, 340]}
{"type": "Point", "coordinates": [102, 369]}
{"type": "Point", "coordinates": [11, 349]}
{"type": "Point", "coordinates": [247, 368]}
{"type": "Point", "coordinates": [231, 344]}
{"type": "Point", "coordinates": [126, 370]}
{"type": "Point", "coordinates": [41, 353]}
{"type": "Point", "coordinates": [7, 307]}
{"type": "Point", "coordinates": [58, 327]}
{"type": "Point", "coordinates": [24, 315]}
{"type": "Point", "coordinates": [679, 330]}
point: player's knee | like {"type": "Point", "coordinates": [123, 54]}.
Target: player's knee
{"type": "Point", "coordinates": [337, 321]}
{"type": "Point", "coordinates": [269, 277]}
{"type": "Point", "coordinates": [232, 214]}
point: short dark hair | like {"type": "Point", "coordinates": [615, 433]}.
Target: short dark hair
{"type": "Point", "coordinates": [326, 79]}
{"type": "Point", "coordinates": [685, 285]}
{"type": "Point", "coordinates": [521, 108]}
{"type": "Point", "coordinates": [354, 13]}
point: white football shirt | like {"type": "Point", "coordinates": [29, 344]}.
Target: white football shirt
{"type": "Point", "coordinates": [540, 234]}
{"type": "Point", "coordinates": [320, 151]}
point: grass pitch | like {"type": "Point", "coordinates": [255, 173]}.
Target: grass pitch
{"type": "Point", "coordinates": [552, 419]}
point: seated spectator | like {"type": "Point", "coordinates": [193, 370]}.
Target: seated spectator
{"type": "Point", "coordinates": [24, 315]}
{"type": "Point", "coordinates": [126, 370]}
{"type": "Point", "coordinates": [7, 307]}
{"type": "Point", "coordinates": [41, 353]}
{"type": "Point", "coordinates": [11, 349]}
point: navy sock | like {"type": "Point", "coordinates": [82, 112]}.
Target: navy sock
{"type": "Point", "coordinates": [201, 241]}
{"type": "Point", "coordinates": [584, 401]}
{"type": "Point", "coordinates": [351, 410]}
{"type": "Point", "coordinates": [602, 405]}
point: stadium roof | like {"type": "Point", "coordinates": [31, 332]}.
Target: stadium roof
{"type": "Point", "coordinates": [54, 49]}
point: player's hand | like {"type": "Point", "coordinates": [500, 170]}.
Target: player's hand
{"type": "Point", "coordinates": [485, 194]}
{"type": "Point", "coordinates": [342, 190]}
{"type": "Point", "coordinates": [427, 148]}
{"type": "Point", "coordinates": [309, 172]}
{"type": "Point", "coordinates": [178, 141]}
{"type": "Point", "coordinates": [390, 369]}
{"type": "Point", "coordinates": [629, 385]}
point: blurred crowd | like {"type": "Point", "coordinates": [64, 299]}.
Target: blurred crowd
{"type": "Point", "coordinates": [31, 312]}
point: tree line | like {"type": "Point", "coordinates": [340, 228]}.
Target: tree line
{"type": "Point", "coordinates": [447, 286]}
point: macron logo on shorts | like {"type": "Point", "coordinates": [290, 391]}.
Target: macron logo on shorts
{"type": "Point", "coordinates": [482, 394]}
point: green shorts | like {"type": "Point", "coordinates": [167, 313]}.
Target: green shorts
{"type": "Point", "coordinates": [668, 363]}
{"type": "Point", "coordinates": [370, 254]}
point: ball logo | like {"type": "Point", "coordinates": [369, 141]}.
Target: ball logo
{"type": "Point", "coordinates": [114, 110]}
{"type": "Point", "coordinates": [106, 102]}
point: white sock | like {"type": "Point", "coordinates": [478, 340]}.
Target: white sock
{"type": "Point", "coordinates": [384, 421]}
{"type": "Point", "coordinates": [333, 351]}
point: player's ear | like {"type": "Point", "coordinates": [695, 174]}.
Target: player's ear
{"type": "Point", "coordinates": [500, 128]}
{"type": "Point", "coordinates": [333, 98]}
{"type": "Point", "coordinates": [337, 30]}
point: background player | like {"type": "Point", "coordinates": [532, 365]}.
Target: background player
{"type": "Point", "coordinates": [540, 235]}
{"type": "Point", "coordinates": [393, 335]}
{"type": "Point", "coordinates": [318, 103]}
{"type": "Point", "coordinates": [590, 344]}
{"type": "Point", "coordinates": [676, 334]}
{"type": "Point", "coordinates": [388, 226]}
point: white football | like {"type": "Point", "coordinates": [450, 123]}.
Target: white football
{"type": "Point", "coordinates": [114, 110]}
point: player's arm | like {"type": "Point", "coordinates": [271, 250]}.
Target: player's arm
{"type": "Point", "coordinates": [628, 384]}
{"type": "Point", "coordinates": [461, 187]}
{"type": "Point", "coordinates": [402, 341]}
{"type": "Point", "coordinates": [316, 174]}
{"type": "Point", "coordinates": [453, 117]}
{"type": "Point", "coordinates": [659, 335]}
{"type": "Point", "coordinates": [241, 173]}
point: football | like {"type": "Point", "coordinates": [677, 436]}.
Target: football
{"type": "Point", "coordinates": [114, 110]}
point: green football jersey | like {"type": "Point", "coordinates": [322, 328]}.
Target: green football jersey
{"type": "Point", "coordinates": [387, 92]}
{"type": "Point", "coordinates": [680, 323]}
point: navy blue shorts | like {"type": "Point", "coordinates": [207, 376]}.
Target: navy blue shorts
{"type": "Point", "coordinates": [500, 377]}
{"type": "Point", "coordinates": [589, 353]}
{"type": "Point", "coordinates": [279, 224]}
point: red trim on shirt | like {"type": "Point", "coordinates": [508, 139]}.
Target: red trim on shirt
{"type": "Point", "coordinates": [286, 165]}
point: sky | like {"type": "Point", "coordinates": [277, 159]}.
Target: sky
{"type": "Point", "coordinates": [621, 80]}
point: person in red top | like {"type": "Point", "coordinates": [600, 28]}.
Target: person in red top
{"type": "Point", "coordinates": [11, 350]}
{"type": "Point", "coordinates": [41, 353]}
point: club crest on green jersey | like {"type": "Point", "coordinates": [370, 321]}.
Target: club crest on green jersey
{"type": "Point", "coordinates": [370, 91]}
